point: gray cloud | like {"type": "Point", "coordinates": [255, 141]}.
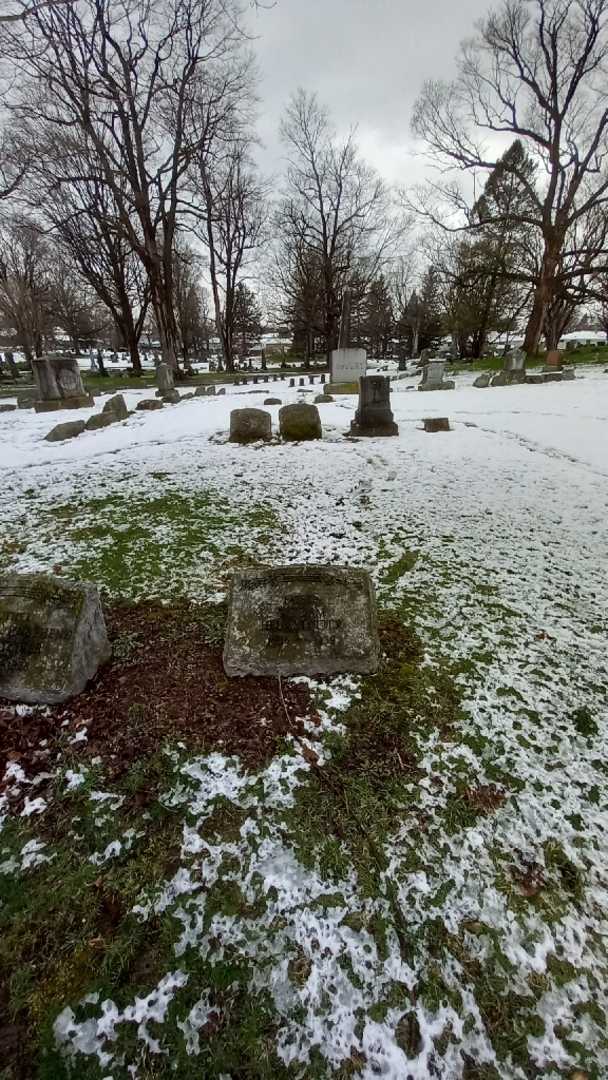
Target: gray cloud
{"type": "Point", "coordinates": [366, 60]}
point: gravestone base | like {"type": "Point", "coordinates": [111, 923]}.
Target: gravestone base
{"type": "Point", "coordinates": [436, 423]}
{"type": "Point", "coordinates": [447, 384]}
{"type": "Point", "coordinates": [341, 388]}
{"type": "Point", "coordinates": [509, 378]}
{"type": "Point", "coordinates": [536, 378]}
{"type": "Point", "coordinates": [301, 620]}
{"type": "Point", "coordinates": [83, 401]}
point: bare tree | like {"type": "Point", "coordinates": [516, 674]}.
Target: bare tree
{"type": "Point", "coordinates": [25, 293]}
{"type": "Point", "coordinates": [189, 299]}
{"type": "Point", "coordinates": [537, 71]}
{"type": "Point", "coordinates": [334, 205]}
{"type": "Point", "coordinates": [24, 8]}
{"type": "Point", "coordinates": [232, 228]}
{"type": "Point", "coordinates": [74, 203]}
{"type": "Point", "coordinates": [131, 77]}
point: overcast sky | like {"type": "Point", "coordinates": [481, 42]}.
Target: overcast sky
{"type": "Point", "coordinates": [366, 60]}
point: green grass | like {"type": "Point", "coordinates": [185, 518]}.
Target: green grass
{"type": "Point", "coordinates": [153, 544]}
{"type": "Point", "coordinates": [588, 354]}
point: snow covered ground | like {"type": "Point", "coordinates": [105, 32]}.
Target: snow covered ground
{"type": "Point", "coordinates": [493, 539]}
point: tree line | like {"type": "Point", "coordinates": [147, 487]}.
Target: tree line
{"type": "Point", "coordinates": [128, 173]}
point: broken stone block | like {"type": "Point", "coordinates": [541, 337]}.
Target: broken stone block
{"type": "Point", "coordinates": [250, 425]}
{"type": "Point", "coordinates": [68, 430]}
{"type": "Point", "coordinates": [148, 405]}
{"type": "Point", "coordinates": [300, 422]}
{"type": "Point", "coordinates": [100, 420]}
{"type": "Point", "coordinates": [117, 405]}
{"type": "Point", "coordinates": [301, 620]}
{"type": "Point", "coordinates": [52, 637]}
{"type": "Point", "coordinates": [170, 397]}
{"type": "Point", "coordinates": [482, 381]}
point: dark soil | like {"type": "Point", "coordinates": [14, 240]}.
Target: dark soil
{"type": "Point", "coordinates": [164, 683]}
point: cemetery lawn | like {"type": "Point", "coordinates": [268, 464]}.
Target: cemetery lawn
{"type": "Point", "coordinates": [403, 875]}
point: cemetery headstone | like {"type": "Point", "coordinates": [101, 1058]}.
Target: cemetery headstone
{"type": "Point", "coordinates": [514, 369]}
{"type": "Point", "coordinates": [292, 382]}
{"type": "Point", "coordinates": [164, 378]}
{"type": "Point", "coordinates": [7, 408]}
{"type": "Point", "coordinates": [322, 379]}
{"type": "Point", "coordinates": [482, 380]}
{"type": "Point", "coordinates": [346, 365]}
{"type": "Point", "coordinates": [273, 401]}
{"type": "Point", "coordinates": [52, 637]}
{"type": "Point", "coordinates": [59, 384]}
{"type": "Point", "coordinates": [301, 382]}
{"type": "Point", "coordinates": [301, 620]}
{"type": "Point", "coordinates": [374, 416]}
{"type": "Point", "coordinates": [300, 422]}
{"type": "Point", "coordinates": [553, 359]}
{"type": "Point", "coordinates": [432, 377]}
{"type": "Point", "coordinates": [250, 425]}
{"type": "Point", "coordinates": [220, 392]}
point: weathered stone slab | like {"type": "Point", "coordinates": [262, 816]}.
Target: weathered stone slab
{"type": "Point", "coordinates": [568, 374]}
{"type": "Point", "coordinates": [272, 401]}
{"type": "Point", "coordinates": [68, 377]}
{"type": "Point", "coordinates": [374, 417]}
{"type": "Point", "coordinates": [52, 637]}
{"type": "Point", "coordinates": [68, 430]}
{"type": "Point", "coordinates": [534, 378]}
{"type": "Point", "coordinates": [250, 425]}
{"type": "Point", "coordinates": [347, 365]}
{"type": "Point", "coordinates": [148, 405]}
{"type": "Point", "coordinates": [436, 423]}
{"type": "Point", "coordinates": [117, 405]}
{"type": "Point", "coordinates": [482, 381]}
{"type": "Point", "coordinates": [44, 377]}
{"type": "Point", "coordinates": [8, 408]}
{"type": "Point", "coordinates": [301, 620]}
{"type": "Point", "coordinates": [101, 420]}
{"type": "Point", "coordinates": [300, 422]}
{"type": "Point", "coordinates": [170, 397]}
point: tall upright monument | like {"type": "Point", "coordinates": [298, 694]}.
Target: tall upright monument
{"type": "Point", "coordinates": [346, 365]}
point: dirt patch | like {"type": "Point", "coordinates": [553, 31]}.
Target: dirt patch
{"type": "Point", "coordinates": [165, 682]}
